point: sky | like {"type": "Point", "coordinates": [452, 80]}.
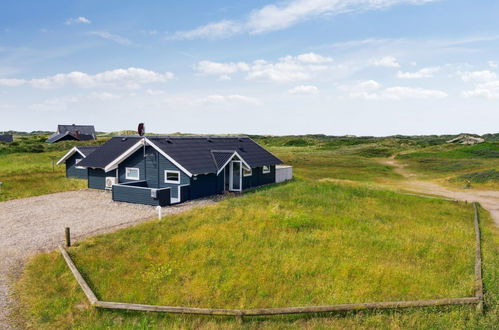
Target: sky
{"type": "Point", "coordinates": [336, 67]}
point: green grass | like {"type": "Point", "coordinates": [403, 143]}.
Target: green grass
{"type": "Point", "coordinates": [30, 174]}
{"type": "Point", "coordinates": [454, 164]}
{"type": "Point", "coordinates": [300, 243]}
{"type": "Point", "coordinates": [342, 164]}
{"type": "Point", "coordinates": [307, 242]}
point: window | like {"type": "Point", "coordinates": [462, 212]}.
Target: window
{"type": "Point", "coordinates": [265, 169]}
{"type": "Point", "coordinates": [247, 172]}
{"type": "Point", "coordinates": [172, 176]}
{"type": "Point", "coordinates": [77, 160]}
{"type": "Point", "coordinates": [132, 173]}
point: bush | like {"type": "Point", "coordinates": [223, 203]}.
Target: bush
{"type": "Point", "coordinates": [481, 177]}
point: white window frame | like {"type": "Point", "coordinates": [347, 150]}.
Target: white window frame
{"type": "Point", "coordinates": [132, 178]}
{"type": "Point", "coordinates": [265, 171]}
{"type": "Point", "coordinates": [250, 171]}
{"type": "Point", "coordinates": [77, 160]}
{"type": "Point", "coordinates": [171, 181]}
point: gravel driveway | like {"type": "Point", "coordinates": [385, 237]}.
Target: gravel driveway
{"type": "Point", "coordinates": [37, 224]}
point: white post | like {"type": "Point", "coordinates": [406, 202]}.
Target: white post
{"type": "Point", "coordinates": [160, 214]}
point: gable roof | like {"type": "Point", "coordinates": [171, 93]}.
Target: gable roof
{"type": "Point", "coordinates": [221, 157]}
{"type": "Point", "coordinates": [6, 138]}
{"type": "Point", "coordinates": [83, 129]}
{"type": "Point", "coordinates": [73, 132]}
{"type": "Point", "coordinates": [194, 154]}
{"type": "Point", "coordinates": [83, 151]}
{"type": "Point", "coordinates": [109, 151]}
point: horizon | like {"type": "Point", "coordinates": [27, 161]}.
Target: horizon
{"type": "Point", "coordinates": [334, 67]}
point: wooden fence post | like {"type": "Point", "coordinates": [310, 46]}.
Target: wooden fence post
{"type": "Point", "coordinates": [68, 236]}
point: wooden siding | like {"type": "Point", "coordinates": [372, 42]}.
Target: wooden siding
{"type": "Point", "coordinates": [72, 171]}
{"type": "Point", "coordinates": [205, 185]}
{"type": "Point", "coordinates": [97, 178]}
{"type": "Point", "coordinates": [152, 169]}
{"type": "Point", "coordinates": [258, 178]}
{"type": "Point", "coordinates": [133, 193]}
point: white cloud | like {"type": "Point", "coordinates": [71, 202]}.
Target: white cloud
{"type": "Point", "coordinates": [229, 100]}
{"type": "Point", "coordinates": [387, 61]}
{"type": "Point", "coordinates": [285, 69]}
{"type": "Point", "coordinates": [314, 58]}
{"type": "Point", "coordinates": [55, 104]}
{"type": "Point", "coordinates": [119, 78]}
{"type": "Point", "coordinates": [489, 90]}
{"type": "Point", "coordinates": [493, 64]}
{"type": "Point", "coordinates": [372, 90]}
{"type": "Point", "coordinates": [103, 96]}
{"type": "Point", "coordinates": [478, 76]}
{"type": "Point", "coordinates": [304, 90]}
{"type": "Point", "coordinates": [78, 20]}
{"type": "Point", "coordinates": [222, 29]}
{"type": "Point", "coordinates": [113, 37]}
{"type": "Point", "coordinates": [154, 92]}
{"type": "Point", "coordinates": [10, 82]}
{"type": "Point", "coordinates": [285, 14]}
{"type": "Point", "coordinates": [362, 86]}
{"type": "Point", "coordinates": [423, 73]}
{"type": "Point", "coordinates": [217, 68]}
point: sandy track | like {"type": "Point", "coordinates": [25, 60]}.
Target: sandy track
{"type": "Point", "coordinates": [30, 225]}
{"type": "Point", "coordinates": [489, 199]}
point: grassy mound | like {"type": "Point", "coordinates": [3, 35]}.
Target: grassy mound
{"type": "Point", "coordinates": [296, 244]}
{"type": "Point", "coordinates": [481, 177]}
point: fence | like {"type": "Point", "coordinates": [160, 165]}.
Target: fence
{"type": "Point", "coordinates": [476, 300]}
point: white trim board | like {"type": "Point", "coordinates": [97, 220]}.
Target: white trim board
{"type": "Point", "coordinates": [168, 181]}
{"type": "Point", "coordinates": [114, 164]}
{"type": "Point", "coordinates": [69, 154]}
{"type": "Point", "coordinates": [230, 159]}
{"type": "Point", "coordinates": [132, 168]}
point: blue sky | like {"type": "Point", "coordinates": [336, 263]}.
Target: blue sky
{"type": "Point", "coordinates": [364, 67]}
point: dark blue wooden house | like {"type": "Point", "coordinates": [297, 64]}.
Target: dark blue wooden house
{"type": "Point", "coordinates": [167, 170]}
{"type": "Point", "coordinates": [72, 160]}
{"type": "Point", "coordinates": [7, 138]}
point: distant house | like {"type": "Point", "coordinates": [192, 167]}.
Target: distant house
{"type": "Point", "coordinates": [7, 138]}
{"type": "Point", "coordinates": [167, 170]}
{"type": "Point", "coordinates": [467, 139]}
{"type": "Point", "coordinates": [73, 132]}
{"type": "Point", "coordinates": [72, 159]}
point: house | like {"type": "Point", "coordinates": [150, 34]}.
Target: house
{"type": "Point", "coordinates": [73, 132]}
{"type": "Point", "coordinates": [467, 139]}
{"type": "Point", "coordinates": [73, 158]}
{"type": "Point", "coordinates": [7, 138]}
{"type": "Point", "coordinates": [166, 170]}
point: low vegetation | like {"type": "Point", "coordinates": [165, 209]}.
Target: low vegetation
{"type": "Point", "coordinates": [32, 174]}
{"type": "Point", "coordinates": [330, 236]}
{"type": "Point", "coordinates": [456, 164]}
{"type": "Point", "coordinates": [300, 243]}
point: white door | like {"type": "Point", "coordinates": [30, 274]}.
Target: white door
{"type": "Point", "coordinates": [236, 177]}
{"type": "Point", "coordinates": [175, 200]}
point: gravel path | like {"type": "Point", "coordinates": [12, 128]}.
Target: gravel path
{"type": "Point", "coordinates": [36, 224]}
{"type": "Point", "coordinates": [489, 199]}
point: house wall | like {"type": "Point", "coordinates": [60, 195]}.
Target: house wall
{"type": "Point", "coordinates": [97, 178]}
{"type": "Point", "coordinates": [257, 178]}
{"type": "Point", "coordinates": [72, 171]}
{"type": "Point", "coordinates": [132, 193]}
{"type": "Point", "coordinates": [152, 169]}
{"type": "Point", "coordinates": [205, 185]}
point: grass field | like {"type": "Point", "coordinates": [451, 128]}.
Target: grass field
{"type": "Point", "coordinates": [30, 174]}
{"type": "Point", "coordinates": [301, 243]}
{"type": "Point", "coordinates": [455, 164]}
{"type": "Point", "coordinates": [333, 235]}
